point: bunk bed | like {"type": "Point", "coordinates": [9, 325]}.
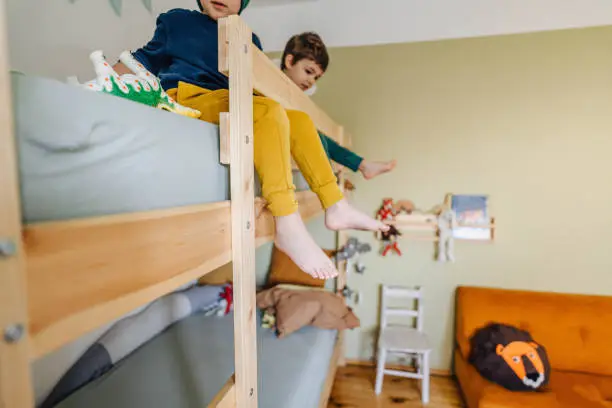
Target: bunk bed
{"type": "Point", "coordinates": [66, 272]}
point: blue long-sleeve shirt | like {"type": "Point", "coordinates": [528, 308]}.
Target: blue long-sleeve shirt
{"type": "Point", "coordinates": [185, 48]}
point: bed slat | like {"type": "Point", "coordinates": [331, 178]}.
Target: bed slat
{"type": "Point", "coordinates": [226, 398]}
{"type": "Point", "coordinates": [15, 382]}
{"type": "Point", "coordinates": [85, 273]}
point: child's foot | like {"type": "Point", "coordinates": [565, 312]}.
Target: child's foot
{"type": "Point", "coordinates": [372, 169]}
{"type": "Point", "coordinates": [342, 216]}
{"type": "Point", "coordinates": [293, 238]}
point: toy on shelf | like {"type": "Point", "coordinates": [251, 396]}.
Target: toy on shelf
{"type": "Point", "coordinates": [351, 252]}
{"type": "Point", "coordinates": [447, 222]}
{"type": "Point", "coordinates": [403, 206]}
{"type": "Point", "coordinates": [441, 224]}
{"type": "Point", "coordinates": [389, 240]}
{"type": "Point", "coordinates": [386, 211]}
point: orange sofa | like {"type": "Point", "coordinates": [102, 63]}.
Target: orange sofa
{"type": "Point", "coordinates": [576, 331]}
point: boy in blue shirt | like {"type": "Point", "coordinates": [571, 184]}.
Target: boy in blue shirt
{"type": "Point", "coordinates": [183, 53]}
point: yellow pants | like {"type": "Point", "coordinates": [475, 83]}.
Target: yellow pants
{"type": "Point", "coordinates": [278, 135]}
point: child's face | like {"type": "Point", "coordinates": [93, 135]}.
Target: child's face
{"type": "Point", "coordinates": [217, 9]}
{"type": "Point", "coordinates": [304, 73]}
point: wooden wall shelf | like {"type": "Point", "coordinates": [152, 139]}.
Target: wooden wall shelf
{"type": "Point", "coordinates": [424, 227]}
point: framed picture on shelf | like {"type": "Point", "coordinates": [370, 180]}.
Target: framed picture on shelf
{"type": "Point", "coordinates": [471, 211]}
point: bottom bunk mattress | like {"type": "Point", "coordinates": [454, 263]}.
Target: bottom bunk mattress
{"type": "Point", "coordinates": [84, 154]}
{"type": "Point", "coordinates": [187, 365]}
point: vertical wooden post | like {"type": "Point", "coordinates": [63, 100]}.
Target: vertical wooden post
{"type": "Point", "coordinates": [236, 58]}
{"type": "Point", "coordinates": [15, 381]}
{"type": "Point", "coordinates": [341, 265]}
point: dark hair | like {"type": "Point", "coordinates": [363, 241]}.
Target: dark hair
{"type": "Point", "coordinates": [306, 45]}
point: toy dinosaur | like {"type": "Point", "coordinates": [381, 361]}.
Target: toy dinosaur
{"type": "Point", "coordinates": [141, 86]}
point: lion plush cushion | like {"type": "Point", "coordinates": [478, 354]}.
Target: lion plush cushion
{"type": "Point", "coordinates": [509, 357]}
{"type": "Point", "coordinates": [284, 270]}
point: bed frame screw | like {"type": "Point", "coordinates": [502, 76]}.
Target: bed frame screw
{"type": "Point", "coordinates": [251, 393]}
{"type": "Point", "coordinates": [246, 48]}
{"type": "Point", "coordinates": [7, 247]}
{"type": "Point", "coordinates": [248, 225]}
{"type": "Point", "coordinates": [246, 139]}
{"type": "Point", "coordinates": [13, 333]}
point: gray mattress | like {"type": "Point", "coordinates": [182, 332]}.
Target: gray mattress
{"type": "Point", "coordinates": [84, 154]}
{"type": "Point", "coordinates": [188, 364]}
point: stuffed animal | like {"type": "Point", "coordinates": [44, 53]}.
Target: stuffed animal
{"type": "Point", "coordinates": [509, 356]}
{"type": "Point", "coordinates": [406, 206]}
{"type": "Point", "coordinates": [386, 211]}
{"type": "Point", "coordinates": [268, 320]}
{"type": "Point", "coordinates": [351, 252]}
{"type": "Point", "coordinates": [447, 221]}
{"type": "Point", "coordinates": [389, 240]}
{"type": "Point", "coordinates": [141, 86]}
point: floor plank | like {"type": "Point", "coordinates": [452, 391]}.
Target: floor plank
{"type": "Point", "coordinates": [354, 388]}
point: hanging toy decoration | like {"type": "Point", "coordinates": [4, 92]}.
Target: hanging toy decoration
{"type": "Point", "coordinates": [389, 240]}
{"type": "Point", "coordinates": [351, 252]}
{"type": "Point", "coordinates": [387, 214]}
{"type": "Point", "coordinates": [447, 222]}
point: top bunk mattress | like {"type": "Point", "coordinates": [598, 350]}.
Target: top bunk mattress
{"type": "Point", "coordinates": [84, 154]}
{"type": "Point", "coordinates": [187, 365]}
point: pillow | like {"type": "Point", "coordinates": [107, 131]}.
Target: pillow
{"type": "Point", "coordinates": [284, 270]}
{"type": "Point", "coordinates": [508, 356]}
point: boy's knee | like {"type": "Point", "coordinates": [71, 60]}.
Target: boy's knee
{"type": "Point", "coordinates": [270, 109]}
{"type": "Point", "coordinates": [299, 117]}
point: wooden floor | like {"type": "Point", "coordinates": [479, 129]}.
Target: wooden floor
{"type": "Point", "coordinates": [354, 388]}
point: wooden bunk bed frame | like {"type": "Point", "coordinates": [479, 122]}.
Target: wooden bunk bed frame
{"type": "Point", "coordinates": [60, 280]}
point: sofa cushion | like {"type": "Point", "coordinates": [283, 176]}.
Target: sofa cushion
{"type": "Point", "coordinates": [575, 329]}
{"type": "Point", "coordinates": [481, 393]}
{"type": "Point", "coordinates": [565, 390]}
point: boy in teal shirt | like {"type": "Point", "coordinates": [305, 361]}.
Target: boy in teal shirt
{"type": "Point", "coordinates": [304, 61]}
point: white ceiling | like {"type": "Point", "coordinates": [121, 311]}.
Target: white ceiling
{"type": "Point", "coordinates": [259, 3]}
{"type": "Point", "coordinates": [368, 22]}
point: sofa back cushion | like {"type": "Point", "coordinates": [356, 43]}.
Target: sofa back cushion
{"type": "Point", "coordinates": [576, 330]}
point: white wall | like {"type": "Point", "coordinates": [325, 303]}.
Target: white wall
{"type": "Point", "coordinates": [368, 22]}
{"type": "Point", "coordinates": [55, 39]}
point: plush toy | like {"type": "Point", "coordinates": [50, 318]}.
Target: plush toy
{"type": "Point", "coordinates": [224, 304]}
{"type": "Point", "coordinates": [348, 185]}
{"type": "Point", "coordinates": [389, 240]}
{"type": "Point", "coordinates": [509, 357]}
{"type": "Point", "coordinates": [406, 206]}
{"type": "Point", "coordinates": [268, 320]}
{"type": "Point", "coordinates": [350, 253]}
{"type": "Point", "coordinates": [447, 221]}
{"type": "Point", "coordinates": [386, 211]}
{"type": "Point", "coordinates": [141, 86]}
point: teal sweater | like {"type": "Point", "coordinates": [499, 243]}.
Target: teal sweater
{"type": "Point", "coordinates": [340, 154]}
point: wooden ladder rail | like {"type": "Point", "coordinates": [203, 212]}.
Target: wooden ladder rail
{"type": "Point", "coordinates": [236, 61]}
{"type": "Point", "coordinates": [16, 389]}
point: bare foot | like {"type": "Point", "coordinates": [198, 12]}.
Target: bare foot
{"type": "Point", "coordinates": [372, 169]}
{"type": "Point", "coordinates": [293, 238]}
{"type": "Point", "coordinates": [342, 216]}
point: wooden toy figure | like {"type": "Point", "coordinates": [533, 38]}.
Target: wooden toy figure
{"type": "Point", "coordinates": [389, 240]}
{"type": "Point", "coordinates": [447, 221]}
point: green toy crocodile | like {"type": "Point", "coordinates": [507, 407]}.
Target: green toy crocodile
{"type": "Point", "coordinates": [141, 86]}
